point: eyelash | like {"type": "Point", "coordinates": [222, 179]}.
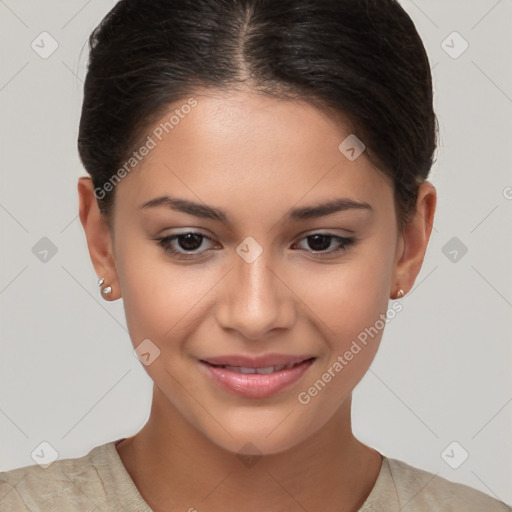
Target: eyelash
{"type": "Point", "coordinates": [165, 243]}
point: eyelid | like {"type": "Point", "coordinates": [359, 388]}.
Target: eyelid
{"type": "Point", "coordinates": [343, 244]}
{"type": "Point", "coordinates": [326, 231]}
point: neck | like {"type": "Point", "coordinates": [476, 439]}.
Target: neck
{"type": "Point", "coordinates": [174, 466]}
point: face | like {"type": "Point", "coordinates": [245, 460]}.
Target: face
{"type": "Point", "coordinates": [254, 268]}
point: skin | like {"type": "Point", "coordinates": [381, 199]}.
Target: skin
{"type": "Point", "coordinates": [255, 157]}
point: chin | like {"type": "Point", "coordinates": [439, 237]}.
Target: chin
{"type": "Point", "coordinates": [258, 444]}
{"type": "Point", "coordinates": [260, 434]}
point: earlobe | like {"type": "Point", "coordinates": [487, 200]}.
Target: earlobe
{"type": "Point", "coordinates": [398, 295]}
{"type": "Point", "coordinates": [416, 235]}
{"type": "Point", "coordinates": [99, 239]}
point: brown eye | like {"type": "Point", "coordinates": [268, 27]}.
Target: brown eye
{"type": "Point", "coordinates": [187, 244]}
{"type": "Point", "coordinates": [322, 241]}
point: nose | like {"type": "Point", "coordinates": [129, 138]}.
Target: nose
{"type": "Point", "coordinates": [255, 299]}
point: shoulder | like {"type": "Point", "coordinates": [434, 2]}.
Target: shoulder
{"type": "Point", "coordinates": [68, 484]}
{"type": "Point", "coordinates": [422, 490]}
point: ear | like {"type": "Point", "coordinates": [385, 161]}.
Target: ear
{"type": "Point", "coordinates": [413, 240]}
{"type": "Point", "coordinates": [99, 237]}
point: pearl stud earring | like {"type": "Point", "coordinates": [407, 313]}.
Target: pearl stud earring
{"type": "Point", "coordinates": [107, 290]}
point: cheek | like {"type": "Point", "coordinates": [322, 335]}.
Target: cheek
{"type": "Point", "coordinates": [161, 300]}
{"type": "Point", "coordinates": [149, 289]}
{"type": "Point", "coordinates": [351, 296]}
{"type": "Point", "coordinates": [350, 304]}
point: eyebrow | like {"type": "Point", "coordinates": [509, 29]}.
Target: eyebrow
{"type": "Point", "coordinates": [209, 212]}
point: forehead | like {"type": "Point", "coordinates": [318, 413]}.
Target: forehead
{"type": "Point", "coordinates": [250, 147]}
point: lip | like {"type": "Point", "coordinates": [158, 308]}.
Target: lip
{"type": "Point", "coordinates": [263, 361]}
{"type": "Point", "coordinates": [255, 385]}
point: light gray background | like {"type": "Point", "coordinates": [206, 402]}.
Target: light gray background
{"type": "Point", "coordinates": [68, 375]}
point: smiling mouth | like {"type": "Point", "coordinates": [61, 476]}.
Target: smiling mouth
{"type": "Point", "coordinates": [260, 382]}
{"type": "Point", "coordinates": [261, 371]}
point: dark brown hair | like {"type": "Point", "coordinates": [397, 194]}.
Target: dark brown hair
{"type": "Point", "coordinates": [362, 59]}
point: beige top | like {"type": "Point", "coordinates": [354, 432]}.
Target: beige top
{"type": "Point", "coordinates": [99, 481]}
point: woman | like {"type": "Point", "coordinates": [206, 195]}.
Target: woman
{"type": "Point", "coordinates": [257, 193]}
